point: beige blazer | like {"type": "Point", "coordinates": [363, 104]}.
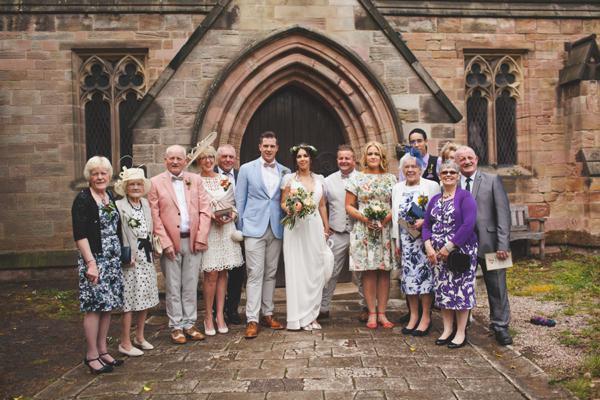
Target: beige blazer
{"type": "Point", "coordinates": [126, 211]}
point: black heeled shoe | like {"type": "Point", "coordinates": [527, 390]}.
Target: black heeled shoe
{"type": "Point", "coordinates": [442, 342]}
{"type": "Point", "coordinates": [409, 331]}
{"type": "Point", "coordinates": [103, 370]}
{"type": "Point", "coordinates": [417, 332]}
{"type": "Point", "coordinates": [453, 345]}
{"type": "Point", "coordinates": [113, 363]}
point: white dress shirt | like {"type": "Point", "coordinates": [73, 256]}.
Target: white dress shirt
{"type": "Point", "coordinates": [463, 181]}
{"type": "Point", "coordinates": [229, 175]}
{"type": "Point", "coordinates": [179, 187]}
{"type": "Point", "coordinates": [270, 177]}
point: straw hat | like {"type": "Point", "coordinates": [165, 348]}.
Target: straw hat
{"type": "Point", "coordinates": [200, 147]}
{"type": "Point", "coordinates": [132, 174]}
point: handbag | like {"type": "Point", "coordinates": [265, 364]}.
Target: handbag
{"type": "Point", "coordinates": [458, 261]}
{"type": "Point", "coordinates": [328, 261]}
{"type": "Point", "coordinates": [157, 245]}
{"type": "Point", "coordinates": [125, 255]}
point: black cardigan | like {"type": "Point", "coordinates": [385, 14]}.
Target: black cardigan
{"type": "Point", "coordinates": [86, 219]}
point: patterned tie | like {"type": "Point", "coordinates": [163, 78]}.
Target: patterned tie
{"type": "Point", "coordinates": [176, 178]}
{"type": "Point", "coordinates": [345, 176]}
{"type": "Point", "coordinates": [266, 165]}
{"type": "Point", "coordinates": [468, 185]}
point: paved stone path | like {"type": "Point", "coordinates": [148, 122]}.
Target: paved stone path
{"type": "Point", "coordinates": [345, 360]}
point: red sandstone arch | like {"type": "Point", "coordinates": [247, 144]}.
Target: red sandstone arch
{"type": "Point", "coordinates": [331, 73]}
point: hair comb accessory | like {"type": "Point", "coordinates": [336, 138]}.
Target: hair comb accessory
{"type": "Point", "coordinates": [416, 154]}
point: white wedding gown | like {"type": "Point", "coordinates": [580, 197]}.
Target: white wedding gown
{"type": "Point", "coordinates": [304, 271]}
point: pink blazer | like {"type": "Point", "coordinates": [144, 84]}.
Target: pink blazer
{"type": "Point", "coordinates": [165, 210]}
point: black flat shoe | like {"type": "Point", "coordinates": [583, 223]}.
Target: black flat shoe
{"type": "Point", "coordinates": [503, 338]}
{"type": "Point", "coordinates": [452, 345]}
{"type": "Point", "coordinates": [113, 363]}
{"type": "Point", "coordinates": [442, 342]}
{"type": "Point", "coordinates": [233, 317]}
{"type": "Point", "coordinates": [103, 370]}
{"type": "Point", "coordinates": [417, 332]}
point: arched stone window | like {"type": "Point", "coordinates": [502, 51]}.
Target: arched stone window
{"type": "Point", "coordinates": [493, 84]}
{"type": "Point", "coordinates": [109, 87]}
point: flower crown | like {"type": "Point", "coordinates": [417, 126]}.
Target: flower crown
{"type": "Point", "coordinates": [303, 146]}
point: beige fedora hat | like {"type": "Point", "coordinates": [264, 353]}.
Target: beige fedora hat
{"type": "Point", "coordinates": [132, 174]}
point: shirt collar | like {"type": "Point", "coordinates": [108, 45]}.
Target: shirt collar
{"type": "Point", "coordinates": [263, 162]}
{"type": "Point", "coordinates": [463, 178]}
{"type": "Point", "coordinates": [176, 176]}
{"type": "Point", "coordinates": [222, 172]}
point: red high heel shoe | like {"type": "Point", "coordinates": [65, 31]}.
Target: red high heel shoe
{"type": "Point", "coordinates": [387, 325]}
{"type": "Point", "coordinates": [372, 326]}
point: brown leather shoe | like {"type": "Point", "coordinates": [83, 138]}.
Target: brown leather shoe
{"type": "Point", "coordinates": [364, 315]}
{"type": "Point", "coordinates": [323, 315]}
{"type": "Point", "coordinates": [271, 322]}
{"type": "Point", "coordinates": [251, 330]}
{"type": "Point", "coordinates": [178, 337]}
{"type": "Point", "coordinates": [194, 333]}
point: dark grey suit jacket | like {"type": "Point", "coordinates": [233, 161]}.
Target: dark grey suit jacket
{"type": "Point", "coordinates": [493, 214]}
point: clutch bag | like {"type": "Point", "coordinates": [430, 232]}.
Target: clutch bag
{"type": "Point", "coordinates": [416, 212]}
{"type": "Point", "coordinates": [157, 245]}
{"type": "Point", "coordinates": [126, 255]}
{"type": "Point", "coordinates": [459, 262]}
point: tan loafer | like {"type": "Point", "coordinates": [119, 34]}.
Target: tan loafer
{"type": "Point", "coordinates": [193, 333]}
{"type": "Point", "coordinates": [364, 315]}
{"type": "Point", "coordinates": [251, 330]}
{"type": "Point", "coordinates": [271, 322]}
{"type": "Point", "coordinates": [178, 337]}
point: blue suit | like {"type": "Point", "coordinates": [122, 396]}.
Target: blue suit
{"type": "Point", "coordinates": [255, 208]}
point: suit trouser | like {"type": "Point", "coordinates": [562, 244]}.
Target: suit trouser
{"type": "Point", "coordinates": [181, 286]}
{"type": "Point", "coordinates": [362, 303]}
{"type": "Point", "coordinates": [234, 288]}
{"type": "Point", "coordinates": [495, 283]}
{"type": "Point", "coordinates": [341, 243]}
{"type": "Point", "coordinates": [262, 258]}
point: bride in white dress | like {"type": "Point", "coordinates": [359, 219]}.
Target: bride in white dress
{"type": "Point", "coordinates": [303, 245]}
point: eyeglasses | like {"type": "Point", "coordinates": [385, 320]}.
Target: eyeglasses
{"type": "Point", "coordinates": [204, 158]}
{"type": "Point", "coordinates": [448, 173]}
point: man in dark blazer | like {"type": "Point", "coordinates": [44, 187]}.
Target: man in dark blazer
{"type": "Point", "coordinates": [493, 235]}
{"type": "Point", "coordinates": [225, 161]}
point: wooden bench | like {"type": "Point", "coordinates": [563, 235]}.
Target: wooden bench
{"type": "Point", "coordinates": [520, 228]}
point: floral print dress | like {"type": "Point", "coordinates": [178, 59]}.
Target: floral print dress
{"type": "Point", "coordinates": [107, 294]}
{"type": "Point", "coordinates": [367, 253]}
{"type": "Point", "coordinates": [453, 290]}
{"type": "Point", "coordinates": [417, 276]}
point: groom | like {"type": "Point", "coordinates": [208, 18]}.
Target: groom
{"type": "Point", "coordinates": [257, 197]}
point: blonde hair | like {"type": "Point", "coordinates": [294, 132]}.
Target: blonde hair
{"type": "Point", "coordinates": [448, 147]}
{"type": "Point", "coordinates": [97, 162]}
{"type": "Point", "coordinates": [209, 151]}
{"type": "Point", "coordinates": [384, 163]}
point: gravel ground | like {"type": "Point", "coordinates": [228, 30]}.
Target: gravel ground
{"type": "Point", "coordinates": [540, 344]}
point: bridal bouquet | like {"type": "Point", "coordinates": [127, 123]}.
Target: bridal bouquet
{"type": "Point", "coordinates": [299, 204]}
{"type": "Point", "coordinates": [376, 212]}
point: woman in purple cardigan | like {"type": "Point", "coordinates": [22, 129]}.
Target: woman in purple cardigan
{"type": "Point", "coordinates": [449, 224]}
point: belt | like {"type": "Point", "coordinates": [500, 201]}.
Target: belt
{"type": "Point", "coordinates": [184, 235]}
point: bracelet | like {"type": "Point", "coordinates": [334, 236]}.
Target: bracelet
{"type": "Point", "coordinates": [90, 260]}
{"type": "Point", "coordinates": [449, 247]}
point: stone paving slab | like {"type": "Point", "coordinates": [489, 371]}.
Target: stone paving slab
{"type": "Point", "coordinates": [344, 360]}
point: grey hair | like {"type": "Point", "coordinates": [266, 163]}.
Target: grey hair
{"type": "Point", "coordinates": [176, 147]}
{"type": "Point", "coordinates": [450, 164]}
{"type": "Point", "coordinates": [97, 162]}
{"type": "Point", "coordinates": [463, 148]}
{"type": "Point", "coordinates": [408, 157]}
{"type": "Point", "coordinates": [225, 145]}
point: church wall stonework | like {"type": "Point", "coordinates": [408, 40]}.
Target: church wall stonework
{"type": "Point", "coordinates": [39, 176]}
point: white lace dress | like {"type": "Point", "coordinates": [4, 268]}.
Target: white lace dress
{"type": "Point", "coordinates": [302, 254]}
{"type": "Point", "coordinates": [223, 252]}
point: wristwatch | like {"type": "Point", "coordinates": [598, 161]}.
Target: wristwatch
{"type": "Point", "coordinates": [449, 246]}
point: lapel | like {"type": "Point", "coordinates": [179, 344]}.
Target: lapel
{"type": "Point", "coordinates": [477, 184]}
{"type": "Point", "coordinates": [169, 186]}
{"type": "Point", "coordinates": [258, 173]}
{"type": "Point", "coordinates": [186, 189]}
{"type": "Point", "coordinates": [147, 215]}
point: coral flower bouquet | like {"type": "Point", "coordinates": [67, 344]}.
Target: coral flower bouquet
{"type": "Point", "coordinates": [299, 204]}
{"type": "Point", "coordinates": [375, 212]}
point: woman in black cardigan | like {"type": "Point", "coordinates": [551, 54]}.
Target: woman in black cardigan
{"type": "Point", "coordinates": [96, 225]}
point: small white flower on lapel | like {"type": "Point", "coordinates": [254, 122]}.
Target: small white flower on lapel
{"type": "Point", "coordinates": [284, 171]}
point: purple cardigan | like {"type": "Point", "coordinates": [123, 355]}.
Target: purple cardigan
{"type": "Point", "coordinates": [465, 213]}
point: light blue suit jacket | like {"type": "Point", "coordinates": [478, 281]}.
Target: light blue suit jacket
{"type": "Point", "coordinates": [255, 208]}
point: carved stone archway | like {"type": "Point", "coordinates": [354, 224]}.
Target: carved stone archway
{"type": "Point", "coordinates": [332, 73]}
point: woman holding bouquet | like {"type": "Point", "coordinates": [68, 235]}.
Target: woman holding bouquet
{"type": "Point", "coordinates": [303, 239]}
{"type": "Point", "coordinates": [417, 278]}
{"type": "Point", "coordinates": [371, 246]}
{"type": "Point", "coordinates": [223, 253]}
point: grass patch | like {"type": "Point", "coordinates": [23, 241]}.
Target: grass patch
{"type": "Point", "coordinates": [56, 304]}
{"type": "Point", "coordinates": [39, 362]}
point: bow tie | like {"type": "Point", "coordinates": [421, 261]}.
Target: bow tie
{"type": "Point", "coordinates": [176, 178]}
{"type": "Point", "coordinates": [345, 176]}
{"type": "Point", "coordinates": [272, 165]}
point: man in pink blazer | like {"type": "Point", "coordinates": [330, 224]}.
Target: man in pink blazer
{"type": "Point", "coordinates": [181, 215]}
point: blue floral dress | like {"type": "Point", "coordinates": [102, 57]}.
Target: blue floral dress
{"type": "Point", "coordinates": [417, 276]}
{"type": "Point", "coordinates": [453, 290]}
{"type": "Point", "coordinates": [107, 294]}
{"type": "Point", "coordinates": [367, 253]}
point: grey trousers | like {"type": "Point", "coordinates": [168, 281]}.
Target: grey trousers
{"type": "Point", "coordinates": [495, 283]}
{"type": "Point", "coordinates": [181, 286]}
{"type": "Point", "coordinates": [362, 303]}
{"type": "Point", "coordinates": [341, 243]}
{"type": "Point", "coordinates": [262, 258]}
